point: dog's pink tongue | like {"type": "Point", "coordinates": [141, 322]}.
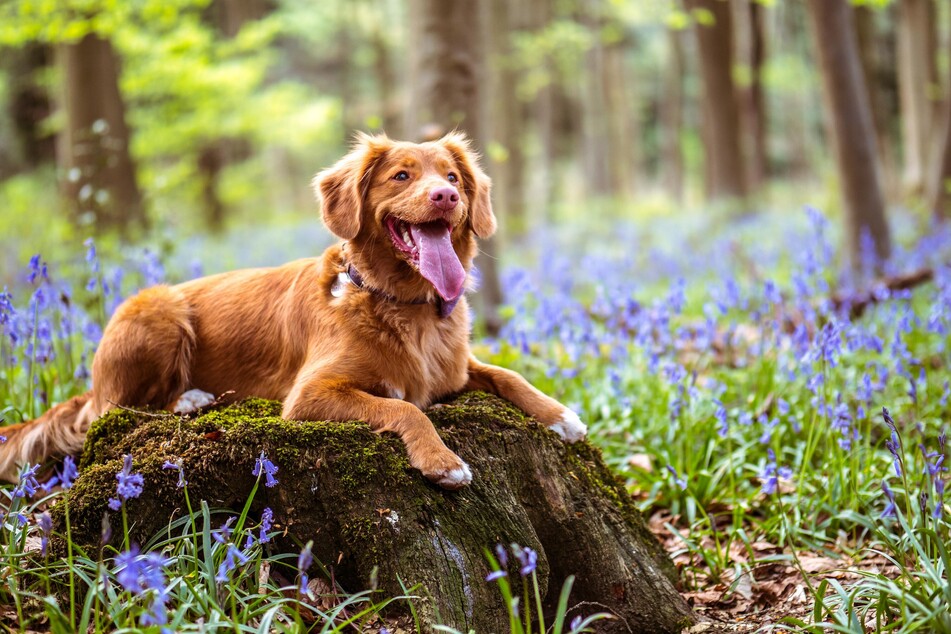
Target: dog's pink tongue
{"type": "Point", "coordinates": [438, 261]}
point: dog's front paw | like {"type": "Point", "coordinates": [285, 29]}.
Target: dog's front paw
{"type": "Point", "coordinates": [449, 471]}
{"type": "Point", "coordinates": [569, 427]}
{"type": "Point", "coordinates": [192, 401]}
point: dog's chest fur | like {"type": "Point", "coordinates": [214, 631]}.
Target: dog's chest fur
{"type": "Point", "coordinates": [421, 357]}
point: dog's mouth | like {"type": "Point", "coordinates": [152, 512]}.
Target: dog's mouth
{"type": "Point", "coordinates": [428, 247]}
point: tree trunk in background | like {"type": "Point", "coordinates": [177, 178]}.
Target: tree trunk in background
{"type": "Point", "coordinates": [93, 150]}
{"type": "Point", "coordinates": [850, 120]}
{"type": "Point", "coordinates": [27, 106]}
{"type": "Point", "coordinates": [543, 110]}
{"type": "Point", "coordinates": [754, 101]}
{"type": "Point", "coordinates": [386, 83]}
{"type": "Point", "coordinates": [446, 82]}
{"type": "Point", "coordinates": [913, 53]}
{"type": "Point", "coordinates": [672, 115]}
{"type": "Point", "coordinates": [622, 115]}
{"type": "Point", "coordinates": [875, 73]}
{"type": "Point", "coordinates": [595, 126]}
{"type": "Point", "coordinates": [940, 194]}
{"type": "Point", "coordinates": [722, 141]}
{"type": "Point", "coordinates": [507, 163]}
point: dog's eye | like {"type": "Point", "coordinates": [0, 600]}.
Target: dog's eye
{"type": "Point", "coordinates": [452, 178]}
{"type": "Point", "coordinates": [402, 175]}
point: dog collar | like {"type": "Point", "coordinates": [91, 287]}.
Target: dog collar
{"type": "Point", "coordinates": [352, 276]}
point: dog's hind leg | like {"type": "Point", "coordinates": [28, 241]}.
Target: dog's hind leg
{"type": "Point", "coordinates": [143, 361]}
{"type": "Point", "coordinates": [60, 431]}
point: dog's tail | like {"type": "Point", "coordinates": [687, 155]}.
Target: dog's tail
{"type": "Point", "coordinates": [58, 432]}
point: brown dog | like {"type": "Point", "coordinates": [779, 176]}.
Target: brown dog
{"type": "Point", "coordinates": [376, 329]}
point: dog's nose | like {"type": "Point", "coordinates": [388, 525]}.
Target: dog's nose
{"type": "Point", "coordinates": [444, 198]}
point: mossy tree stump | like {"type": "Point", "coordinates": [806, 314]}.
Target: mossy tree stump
{"type": "Point", "coordinates": [354, 494]}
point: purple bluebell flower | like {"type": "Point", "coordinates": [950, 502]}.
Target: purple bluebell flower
{"type": "Point", "coordinates": [267, 519]}
{"type": "Point", "coordinates": [27, 485]}
{"type": "Point", "coordinates": [269, 469]}
{"type": "Point", "coordinates": [233, 558]}
{"type": "Point", "coordinates": [144, 574]}
{"type": "Point", "coordinates": [304, 561]}
{"type": "Point", "coordinates": [681, 482]}
{"type": "Point", "coordinates": [771, 474]}
{"type": "Point", "coordinates": [181, 473]}
{"type": "Point", "coordinates": [890, 497]}
{"type": "Point", "coordinates": [528, 559]}
{"type": "Point", "coordinates": [893, 444]}
{"type": "Point", "coordinates": [45, 522]}
{"type": "Point", "coordinates": [223, 534]}
{"type": "Point", "coordinates": [495, 574]}
{"type": "Point", "coordinates": [720, 415]}
{"type": "Point", "coordinates": [129, 484]}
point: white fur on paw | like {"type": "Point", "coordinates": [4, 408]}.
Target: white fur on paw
{"type": "Point", "coordinates": [192, 401]}
{"type": "Point", "coordinates": [570, 427]}
{"type": "Point", "coordinates": [455, 478]}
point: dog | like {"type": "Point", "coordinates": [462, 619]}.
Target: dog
{"type": "Point", "coordinates": [375, 329]}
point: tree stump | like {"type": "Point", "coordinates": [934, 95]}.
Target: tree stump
{"type": "Point", "coordinates": [354, 494]}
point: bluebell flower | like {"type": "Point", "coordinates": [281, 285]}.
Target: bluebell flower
{"type": "Point", "coordinates": [267, 517]}
{"type": "Point", "coordinates": [45, 522]}
{"type": "Point", "coordinates": [27, 485]}
{"type": "Point", "coordinates": [893, 444]}
{"type": "Point", "coordinates": [269, 468]}
{"type": "Point", "coordinates": [681, 482]}
{"type": "Point", "coordinates": [890, 497]}
{"type": "Point", "coordinates": [771, 474]}
{"type": "Point", "coordinates": [223, 534]}
{"type": "Point", "coordinates": [129, 484]}
{"type": "Point", "coordinates": [304, 561]}
{"type": "Point", "coordinates": [233, 558]}
{"type": "Point", "coordinates": [144, 574]}
{"type": "Point", "coordinates": [181, 473]}
{"type": "Point", "coordinates": [528, 559]}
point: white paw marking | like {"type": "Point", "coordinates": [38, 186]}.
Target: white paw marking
{"type": "Point", "coordinates": [192, 401]}
{"type": "Point", "coordinates": [455, 478]}
{"type": "Point", "coordinates": [569, 427]}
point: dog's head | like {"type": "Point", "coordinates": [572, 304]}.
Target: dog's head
{"type": "Point", "coordinates": [410, 212]}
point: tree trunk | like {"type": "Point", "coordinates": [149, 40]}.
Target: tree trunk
{"type": "Point", "coordinates": [850, 120]}
{"type": "Point", "coordinates": [93, 149]}
{"type": "Point", "coordinates": [446, 81]}
{"type": "Point", "coordinates": [940, 195]}
{"type": "Point", "coordinates": [28, 105]}
{"type": "Point", "coordinates": [754, 99]}
{"type": "Point", "coordinates": [507, 163]}
{"type": "Point", "coordinates": [672, 115]}
{"type": "Point", "coordinates": [353, 493]}
{"type": "Point", "coordinates": [875, 73]}
{"type": "Point", "coordinates": [913, 51]}
{"type": "Point", "coordinates": [723, 147]}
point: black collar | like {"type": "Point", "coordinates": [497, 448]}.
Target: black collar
{"type": "Point", "coordinates": [443, 307]}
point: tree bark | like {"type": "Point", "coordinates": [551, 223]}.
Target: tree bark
{"type": "Point", "coordinates": [940, 194]}
{"type": "Point", "coordinates": [850, 120]}
{"type": "Point", "coordinates": [353, 493]}
{"type": "Point", "coordinates": [507, 166]}
{"type": "Point", "coordinates": [93, 150]}
{"type": "Point", "coordinates": [446, 81]}
{"type": "Point", "coordinates": [28, 105]}
{"type": "Point", "coordinates": [876, 75]}
{"type": "Point", "coordinates": [722, 140]}
{"type": "Point", "coordinates": [914, 45]}
{"type": "Point", "coordinates": [754, 99]}
{"type": "Point", "coordinates": [672, 115]}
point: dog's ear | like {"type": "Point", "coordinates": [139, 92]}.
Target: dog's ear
{"type": "Point", "coordinates": [477, 185]}
{"type": "Point", "coordinates": [342, 188]}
